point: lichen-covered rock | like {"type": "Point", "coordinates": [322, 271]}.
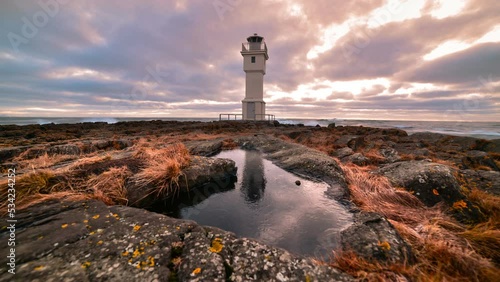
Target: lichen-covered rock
{"type": "Point", "coordinates": [390, 155]}
{"type": "Point", "coordinates": [432, 183]}
{"type": "Point", "coordinates": [373, 237]}
{"type": "Point", "coordinates": [89, 241]}
{"type": "Point", "coordinates": [488, 181]}
{"type": "Point", "coordinates": [479, 159]}
{"type": "Point", "coordinates": [66, 149]}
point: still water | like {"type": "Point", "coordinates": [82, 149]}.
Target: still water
{"type": "Point", "coordinates": [266, 204]}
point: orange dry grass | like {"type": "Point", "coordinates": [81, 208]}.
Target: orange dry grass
{"type": "Point", "coordinates": [442, 255]}
{"type": "Point", "coordinates": [369, 271]}
{"type": "Point", "coordinates": [109, 186]}
{"type": "Point", "coordinates": [43, 161]}
{"type": "Point", "coordinates": [88, 161]}
{"type": "Point", "coordinates": [163, 167]}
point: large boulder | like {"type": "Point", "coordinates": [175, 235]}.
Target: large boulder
{"type": "Point", "coordinates": [89, 241]}
{"type": "Point", "coordinates": [432, 183]}
{"type": "Point", "coordinates": [374, 238]}
{"type": "Point", "coordinates": [207, 174]}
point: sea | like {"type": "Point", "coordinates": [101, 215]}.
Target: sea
{"type": "Point", "coordinates": [484, 130]}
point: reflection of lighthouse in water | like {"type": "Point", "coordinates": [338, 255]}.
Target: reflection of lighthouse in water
{"type": "Point", "coordinates": [254, 180]}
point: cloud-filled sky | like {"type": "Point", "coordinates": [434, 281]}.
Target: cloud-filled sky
{"type": "Point", "coordinates": [372, 59]}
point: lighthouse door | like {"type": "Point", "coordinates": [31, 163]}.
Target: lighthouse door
{"type": "Point", "coordinates": [251, 111]}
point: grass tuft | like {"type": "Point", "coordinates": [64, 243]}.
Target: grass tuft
{"type": "Point", "coordinates": [162, 167]}
{"type": "Point", "coordinates": [109, 186]}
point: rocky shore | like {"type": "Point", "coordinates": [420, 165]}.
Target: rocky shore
{"type": "Point", "coordinates": [85, 234]}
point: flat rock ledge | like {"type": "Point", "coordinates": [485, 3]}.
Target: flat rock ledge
{"type": "Point", "coordinates": [301, 160]}
{"type": "Point", "coordinates": [89, 241]}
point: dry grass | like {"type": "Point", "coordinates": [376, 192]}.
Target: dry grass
{"type": "Point", "coordinates": [374, 156]}
{"type": "Point", "coordinates": [88, 160]}
{"type": "Point", "coordinates": [43, 161]}
{"type": "Point", "coordinates": [440, 244]}
{"type": "Point", "coordinates": [162, 168]}
{"type": "Point", "coordinates": [370, 271]}
{"type": "Point", "coordinates": [109, 186]}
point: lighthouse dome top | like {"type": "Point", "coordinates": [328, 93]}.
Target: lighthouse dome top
{"type": "Point", "coordinates": [255, 38]}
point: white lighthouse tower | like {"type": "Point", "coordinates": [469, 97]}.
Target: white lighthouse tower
{"type": "Point", "coordinates": [254, 53]}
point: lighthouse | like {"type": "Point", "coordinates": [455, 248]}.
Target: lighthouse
{"type": "Point", "coordinates": [254, 53]}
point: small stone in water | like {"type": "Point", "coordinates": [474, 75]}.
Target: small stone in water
{"type": "Point", "coordinates": [297, 182]}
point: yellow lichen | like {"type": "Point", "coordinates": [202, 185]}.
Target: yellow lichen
{"type": "Point", "coordinates": [384, 245]}
{"type": "Point", "coordinates": [96, 216]}
{"type": "Point", "coordinates": [196, 271]}
{"type": "Point", "coordinates": [435, 192]}
{"type": "Point", "coordinates": [64, 225]}
{"type": "Point", "coordinates": [86, 264]}
{"type": "Point", "coordinates": [137, 227]}
{"type": "Point", "coordinates": [125, 254]}
{"type": "Point", "coordinates": [459, 205]}
{"type": "Point", "coordinates": [216, 245]}
{"type": "Point", "coordinates": [92, 233]}
{"type": "Point", "coordinates": [100, 242]}
{"type": "Point", "coordinates": [151, 261]}
{"type": "Point", "coordinates": [136, 253]}
{"type": "Point", "coordinates": [38, 268]}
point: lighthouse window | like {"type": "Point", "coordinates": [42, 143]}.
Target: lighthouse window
{"type": "Point", "coordinates": [253, 59]}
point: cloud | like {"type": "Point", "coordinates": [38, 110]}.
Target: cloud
{"type": "Point", "coordinates": [183, 58]}
{"type": "Point", "coordinates": [467, 67]}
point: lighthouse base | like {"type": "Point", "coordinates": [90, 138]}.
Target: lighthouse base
{"type": "Point", "coordinates": [254, 110]}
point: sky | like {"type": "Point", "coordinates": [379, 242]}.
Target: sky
{"type": "Point", "coordinates": [372, 59]}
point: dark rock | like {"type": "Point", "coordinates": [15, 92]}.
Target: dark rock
{"type": "Point", "coordinates": [357, 143]}
{"type": "Point", "coordinates": [492, 146]}
{"type": "Point", "coordinates": [477, 159]}
{"type": "Point", "coordinates": [66, 149]}
{"type": "Point", "coordinates": [9, 153]}
{"type": "Point", "coordinates": [297, 182]}
{"type": "Point", "coordinates": [488, 181]}
{"type": "Point", "coordinates": [432, 183]}
{"type": "Point", "coordinates": [300, 135]}
{"type": "Point", "coordinates": [89, 241]}
{"type": "Point", "coordinates": [204, 148]}
{"type": "Point", "coordinates": [212, 175]}
{"type": "Point", "coordinates": [344, 140]}
{"type": "Point", "coordinates": [390, 154]}
{"type": "Point", "coordinates": [374, 238]}
{"type": "Point", "coordinates": [331, 125]}
{"type": "Point", "coordinates": [342, 153]}
{"type": "Point", "coordinates": [357, 159]}
{"type": "Point", "coordinates": [111, 144]}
